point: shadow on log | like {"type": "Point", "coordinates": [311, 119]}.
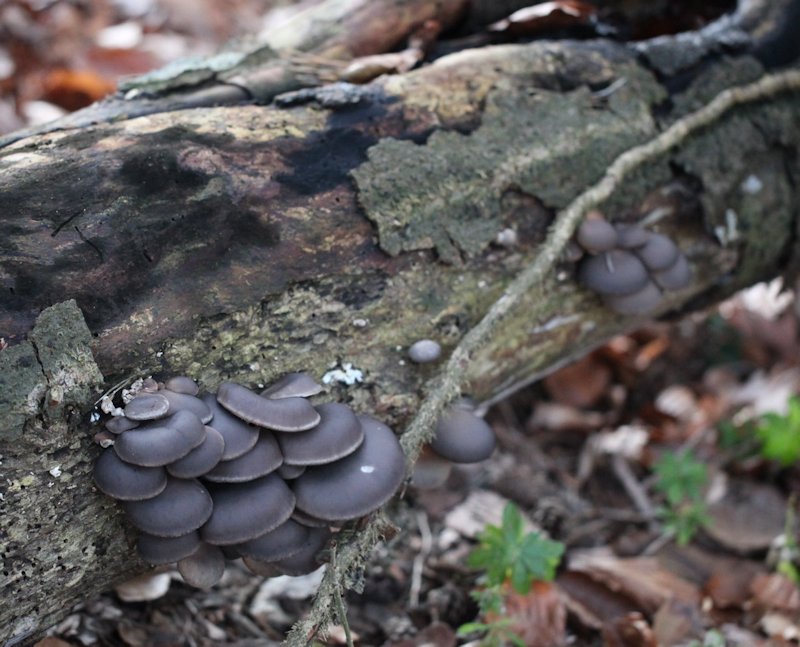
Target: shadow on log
{"type": "Point", "coordinates": [339, 225]}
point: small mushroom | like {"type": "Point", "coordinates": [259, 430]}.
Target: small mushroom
{"type": "Point", "coordinates": [430, 470]}
{"type": "Point", "coordinates": [118, 424]}
{"type": "Point", "coordinates": [463, 437]}
{"type": "Point", "coordinates": [183, 506]}
{"type": "Point", "coordinates": [166, 550]}
{"type": "Point", "coordinates": [184, 402]}
{"type": "Point", "coordinates": [357, 484]}
{"type": "Point", "coordinates": [284, 414]}
{"type": "Point", "coordinates": [265, 457]}
{"type": "Point", "coordinates": [182, 384]}
{"type": "Point", "coordinates": [631, 236]}
{"type": "Point", "coordinates": [338, 434]}
{"type": "Point", "coordinates": [303, 561]}
{"type": "Point", "coordinates": [239, 437]}
{"type": "Point", "coordinates": [289, 472]}
{"type": "Point", "coordinates": [615, 272]}
{"type": "Point", "coordinates": [147, 406]}
{"type": "Point", "coordinates": [201, 459]}
{"type": "Point", "coordinates": [658, 253]}
{"type": "Point", "coordinates": [163, 443]}
{"type": "Point", "coordinates": [676, 276]}
{"type": "Point", "coordinates": [127, 482]}
{"type": "Point", "coordinates": [203, 568]}
{"type": "Point", "coordinates": [292, 385]}
{"type": "Point", "coordinates": [596, 234]}
{"type": "Point", "coordinates": [424, 351]}
{"type": "Point", "coordinates": [283, 541]}
{"type": "Point", "coordinates": [639, 303]}
{"type": "Point", "coordinates": [243, 511]}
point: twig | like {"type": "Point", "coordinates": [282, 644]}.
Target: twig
{"type": "Point", "coordinates": [337, 596]}
{"type": "Point", "coordinates": [419, 560]}
{"type": "Point", "coordinates": [447, 386]}
{"type": "Point", "coordinates": [633, 488]}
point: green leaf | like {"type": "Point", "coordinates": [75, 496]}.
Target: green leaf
{"type": "Point", "coordinates": [780, 435]}
{"type": "Point", "coordinates": [472, 627]}
{"type": "Point", "coordinates": [512, 523]}
{"type": "Point", "coordinates": [541, 556]}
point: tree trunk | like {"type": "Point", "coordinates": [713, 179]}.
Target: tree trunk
{"type": "Point", "coordinates": [336, 226]}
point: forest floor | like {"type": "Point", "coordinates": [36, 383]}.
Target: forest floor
{"type": "Point", "coordinates": [663, 462]}
{"type": "Point", "coordinates": [648, 460]}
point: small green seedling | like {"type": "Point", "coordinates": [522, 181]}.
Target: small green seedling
{"type": "Point", "coordinates": [508, 555]}
{"type": "Point", "coordinates": [681, 479]}
{"type": "Point", "coordinates": [780, 434]}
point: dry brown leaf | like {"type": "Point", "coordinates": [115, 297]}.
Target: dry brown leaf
{"type": "Point", "coordinates": [675, 621]}
{"type": "Point", "coordinates": [642, 579]}
{"type": "Point", "coordinates": [631, 630]}
{"type": "Point", "coordinates": [590, 601]}
{"type": "Point", "coordinates": [545, 16]}
{"type": "Point", "coordinates": [51, 641]}
{"type": "Point", "coordinates": [74, 89]}
{"type": "Point", "coordinates": [775, 592]}
{"type": "Point", "coordinates": [538, 617]}
{"type": "Point", "coordinates": [437, 634]}
{"type": "Point", "coordinates": [748, 517]}
{"type": "Point", "coordinates": [580, 384]}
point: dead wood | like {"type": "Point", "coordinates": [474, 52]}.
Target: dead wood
{"type": "Point", "coordinates": [334, 226]}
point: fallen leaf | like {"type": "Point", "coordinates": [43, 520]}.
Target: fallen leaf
{"type": "Point", "coordinates": [538, 617]}
{"type": "Point", "coordinates": [631, 630]}
{"type": "Point", "coordinates": [642, 579]}
{"type": "Point", "coordinates": [545, 16]}
{"type": "Point", "coordinates": [74, 89]}
{"type": "Point", "coordinates": [774, 591]}
{"type": "Point", "coordinates": [748, 517]}
{"type": "Point", "coordinates": [51, 641]}
{"type": "Point", "coordinates": [592, 602]}
{"type": "Point", "coordinates": [581, 384]}
{"type": "Point", "coordinates": [675, 622]}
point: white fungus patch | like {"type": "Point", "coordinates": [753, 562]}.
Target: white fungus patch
{"type": "Point", "coordinates": [347, 374]}
{"type": "Point", "coordinates": [752, 184]}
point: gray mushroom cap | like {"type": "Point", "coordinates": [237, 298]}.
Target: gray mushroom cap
{"type": "Point", "coordinates": [284, 414]}
{"type": "Point", "coordinates": [127, 482]}
{"type": "Point", "coordinates": [424, 351]}
{"type": "Point", "coordinates": [614, 272]}
{"type": "Point", "coordinates": [357, 484]}
{"type": "Point", "coordinates": [203, 568]}
{"type": "Point", "coordinates": [243, 511]}
{"type": "Point", "coordinates": [306, 559]}
{"type": "Point", "coordinates": [658, 253]}
{"type": "Point", "coordinates": [118, 424]}
{"type": "Point", "coordinates": [162, 443]}
{"type": "Point", "coordinates": [287, 539]}
{"type": "Point", "coordinates": [312, 522]}
{"type": "Point", "coordinates": [676, 276]}
{"type": "Point", "coordinates": [239, 436]}
{"type": "Point", "coordinates": [596, 235]}
{"type": "Point", "coordinates": [463, 437]}
{"type": "Point", "coordinates": [292, 385]}
{"type": "Point", "coordinates": [184, 402]}
{"type": "Point", "coordinates": [183, 506]}
{"type": "Point", "coordinates": [182, 384]}
{"type": "Point", "coordinates": [289, 472]}
{"type": "Point", "coordinates": [265, 457]}
{"type": "Point", "coordinates": [166, 550]}
{"type": "Point", "coordinates": [147, 406]}
{"type": "Point", "coordinates": [639, 303]}
{"type": "Point", "coordinates": [631, 236]}
{"type": "Point", "coordinates": [338, 434]}
{"type": "Point", "coordinates": [201, 459]}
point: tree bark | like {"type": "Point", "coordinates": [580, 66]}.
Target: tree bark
{"type": "Point", "coordinates": [336, 226]}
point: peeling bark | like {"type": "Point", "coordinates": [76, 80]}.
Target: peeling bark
{"type": "Point", "coordinates": [339, 226]}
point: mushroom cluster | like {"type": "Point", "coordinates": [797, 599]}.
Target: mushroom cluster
{"type": "Point", "coordinates": [629, 266]}
{"type": "Point", "coordinates": [242, 474]}
{"type": "Point", "coordinates": [461, 438]}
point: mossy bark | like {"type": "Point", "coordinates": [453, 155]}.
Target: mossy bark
{"type": "Point", "coordinates": [243, 242]}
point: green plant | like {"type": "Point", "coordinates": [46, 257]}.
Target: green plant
{"type": "Point", "coordinates": [780, 434]}
{"type": "Point", "coordinates": [681, 479]}
{"type": "Point", "coordinates": [508, 556]}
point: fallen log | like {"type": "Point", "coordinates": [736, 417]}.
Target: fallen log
{"type": "Point", "coordinates": [332, 229]}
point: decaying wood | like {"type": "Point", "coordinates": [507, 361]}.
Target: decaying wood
{"type": "Point", "coordinates": [336, 227]}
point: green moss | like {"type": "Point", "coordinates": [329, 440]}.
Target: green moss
{"type": "Point", "coordinates": [22, 387]}
{"type": "Point", "coordinates": [446, 194]}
